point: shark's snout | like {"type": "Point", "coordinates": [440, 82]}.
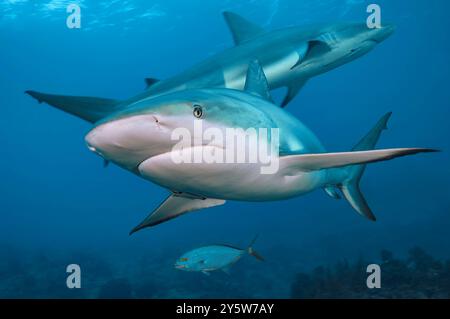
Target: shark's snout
{"type": "Point", "coordinates": [381, 34]}
{"type": "Point", "coordinates": [129, 141]}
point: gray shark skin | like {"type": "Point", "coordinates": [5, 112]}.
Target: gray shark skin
{"type": "Point", "coordinates": [289, 57]}
{"type": "Point", "coordinates": [139, 139]}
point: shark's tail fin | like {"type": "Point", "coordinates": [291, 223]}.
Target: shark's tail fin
{"type": "Point", "coordinates": [90, 109]}
{"type": "Point", "coordinates": [252, 252]}
{"type": "Point", "coordinates": [350, 188]}
{"type": "Point", "coordinates": [352, 174]}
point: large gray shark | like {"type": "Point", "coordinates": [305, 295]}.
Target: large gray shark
{"type": "Point", "coordinates": [140, 139]}
{"type": "Point", "coordinates": [290, 57]}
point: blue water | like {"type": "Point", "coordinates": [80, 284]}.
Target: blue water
{"type": "Point", "coordinates": [59, 206]}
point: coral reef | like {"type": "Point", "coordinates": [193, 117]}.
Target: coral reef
{"type": "Point", "coordinates": [419, 276]}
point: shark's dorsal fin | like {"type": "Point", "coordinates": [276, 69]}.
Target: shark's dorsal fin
{"type": "Point", "coordinates": [150, 81]}
{"type": "Point", "coordinates": [241, 29]}
{"type": "Point", "coordinates": [174, 206]}
{"type": "Point", "coordinates": [256, 82]}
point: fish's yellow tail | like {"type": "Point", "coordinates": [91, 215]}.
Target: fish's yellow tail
{"type": "Point", "coordinates": [252, 252]}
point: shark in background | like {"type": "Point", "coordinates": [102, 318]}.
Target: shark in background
{"type": "Point", "coordinates": [139, 139]}
{"type": "Point", "coordinates": [289, 57]}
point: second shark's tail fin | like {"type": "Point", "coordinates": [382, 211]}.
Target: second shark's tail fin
{"type": "Point", "coordinates": [90, 109]}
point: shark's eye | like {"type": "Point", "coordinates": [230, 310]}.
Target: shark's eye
{"type": "Point", "coordinates": [198, 111]}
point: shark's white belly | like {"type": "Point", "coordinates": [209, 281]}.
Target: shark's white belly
{"type": "Point", "coordinates": [232, 181]}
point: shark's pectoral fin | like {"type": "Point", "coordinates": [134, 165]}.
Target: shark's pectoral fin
{"type": "Point", "coordinates": [256, 81]}
{"type": "Point", "coordinates": [293, 91]}
{"type": "Point", "coordinates": [150, 82]}
{"type": "Point", "coordinates": [318, 47]}
{"type": "Point", "coordinates": [90, 109]}
{"type": "Point", "coordinates": [241, 29]}
{"type": "Point", "coordinates": [302, 51]}
{"type": "Point", "coordinates": [174, 206]}
{"type": "Point", "coordinates": [311, 49]}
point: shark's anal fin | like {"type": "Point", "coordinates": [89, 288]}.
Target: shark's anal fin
{"type": "Point", "coordinates": [150, 82]}
{"type": "Point", "coordinates": [256, 82]}
{"type": "Point", "coordinates": [241, 29]}
{"type": "Point", "coordinates": [293, 91]}
{"type": "Point", "coordinates": [174, 206]}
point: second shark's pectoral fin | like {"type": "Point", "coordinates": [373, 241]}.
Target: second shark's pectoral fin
{"type": "Point", "coordinates": [174, 206]}
{"type": "Point", "coordinates": [256, 81]}
{"type": "Point", "coordinates": [302, 51]}
{"type": "Point", "coordinates": [310, 50]}
{"type": "Point", "coordinates": [241, 29]}
{"type": "Point", "coordinates": [318, 47]}
{"type": "Point", "coordinates": [293, 91]}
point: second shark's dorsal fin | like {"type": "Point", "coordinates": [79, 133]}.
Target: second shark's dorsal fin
{"type": "Point", "coordinates": [256, 82]}
{"type": "Point", "coordinates": [241, 29]}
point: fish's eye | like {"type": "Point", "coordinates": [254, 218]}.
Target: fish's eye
{"type": "Point", "coordinates": [183, 259]}
{"type": "Point", "coordinates": [198, 111]}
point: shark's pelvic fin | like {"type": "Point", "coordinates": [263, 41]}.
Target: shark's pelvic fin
{"type": "Point", "coordinates": [256, 81]}
{"type": "Point", "coordinates": [174, 206]}
{"type": "Point", "coordinates": [241, 29]}
{"type": "Point", "coordinates": [150, 82]}
{"type": "Point", "coordinates": [90, 109]}
{"type": "Point", "coordinates": [293, 91]}
{"type": "Point", "coordinates": [332, 191]}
